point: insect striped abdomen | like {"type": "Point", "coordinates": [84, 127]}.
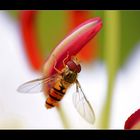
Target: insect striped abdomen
{"type": "Point", "coordinates": [56, 93]}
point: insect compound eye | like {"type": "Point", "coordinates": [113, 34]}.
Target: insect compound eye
{"type": "Point", "coordinates": [73, 66]}
{"type": "Point", "coordinates": [78, 68]}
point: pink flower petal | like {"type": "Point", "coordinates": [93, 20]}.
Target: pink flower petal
{"type": "Point", "coordinates": [72, 44]}
{"type": "Point", "coordinates": [133, 122]}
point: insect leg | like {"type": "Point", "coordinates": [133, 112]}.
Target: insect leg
{"type": "Point", "coordinates": [75, 59]}
{"type": "Point", "coordinates": [57, 70]}
{"type": "Point", "coordinates": [65, 59]}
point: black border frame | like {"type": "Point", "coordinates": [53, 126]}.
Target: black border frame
{"type": "Point", "coordinates": [70, 4]}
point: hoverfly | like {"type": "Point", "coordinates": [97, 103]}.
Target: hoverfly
{"type": "Point", "coordinates": [57, 86]}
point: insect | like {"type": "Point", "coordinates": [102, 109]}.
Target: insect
{"type": "Point", "coordinates": [57, 86]}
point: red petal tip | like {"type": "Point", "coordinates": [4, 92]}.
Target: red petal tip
{"type": "Point", "coordinates": [132, 120]}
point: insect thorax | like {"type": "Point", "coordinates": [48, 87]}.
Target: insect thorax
{"type": "Point", "coordinates": [69, 76]}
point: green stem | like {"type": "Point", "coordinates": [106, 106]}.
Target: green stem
{"type": "Point", "coordinates": [112, 46]}
{"type": "Point", "coordinates": [105, 114]}
{"type": "Point", "coordinates": [62, 116]}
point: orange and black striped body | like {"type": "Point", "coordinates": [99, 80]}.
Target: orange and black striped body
{"type": "Point", "coordinates": [57, 92]}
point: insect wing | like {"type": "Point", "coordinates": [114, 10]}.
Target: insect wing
{"type": "Point", "coordinates": [36, 85]}
{"type": "Point", "coordinates": [82, 105]}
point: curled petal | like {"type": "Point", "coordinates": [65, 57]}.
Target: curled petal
{"type": "Point", "coordinates": [88, 53]}
{"type": "Point", "coordinates": [133, 122]}
{"type": "Point", "coordinates": [72, 44]}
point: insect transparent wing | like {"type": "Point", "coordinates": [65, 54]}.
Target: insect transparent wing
{"type": "Point", "coordinates": [35, 86]}
{"type": "Point", "coordinates": [82, 105]}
